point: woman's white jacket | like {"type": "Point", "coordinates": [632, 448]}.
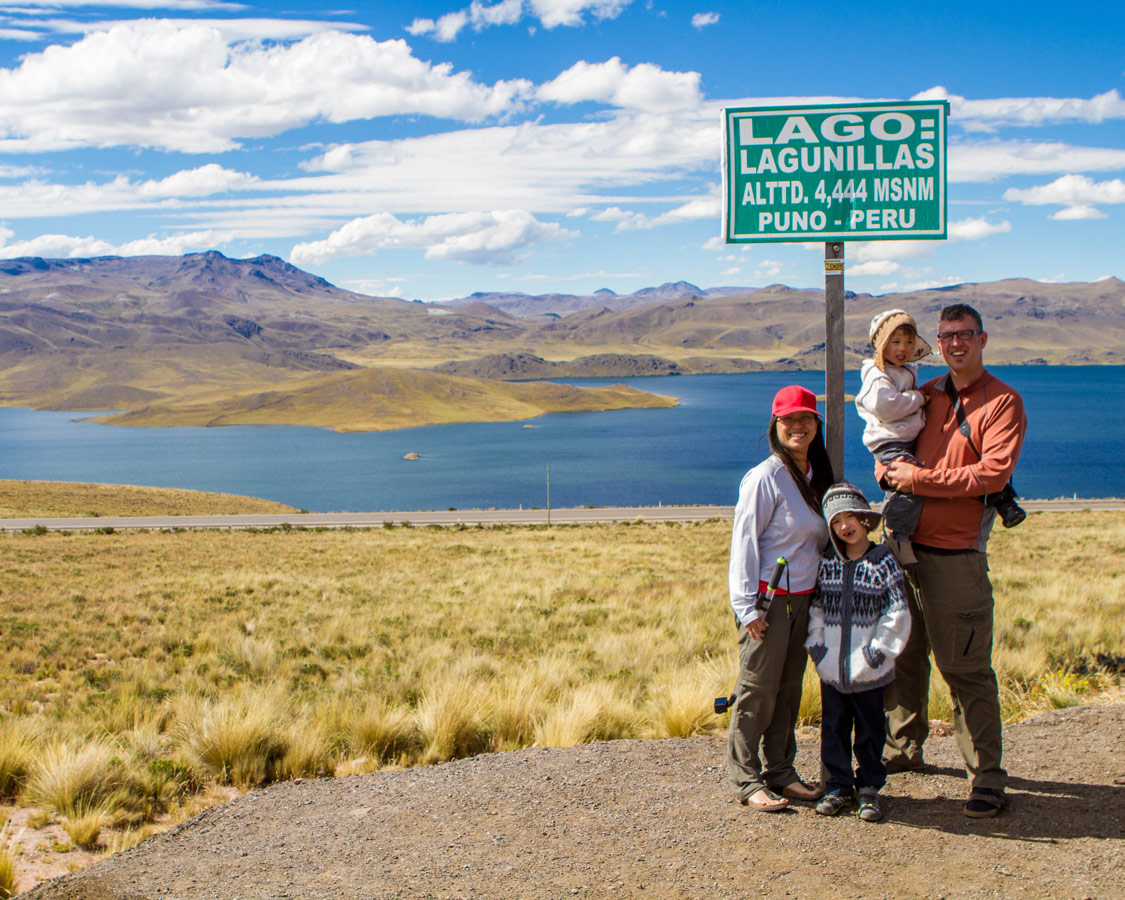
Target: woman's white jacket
{"type": "Point", "coordinates": [772, 519]}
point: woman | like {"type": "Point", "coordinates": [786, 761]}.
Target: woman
{"type": "Point", "coordinates": [778, 515]}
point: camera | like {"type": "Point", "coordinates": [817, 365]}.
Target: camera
{"type": "Point", "coordinates": [722, 704]}
{"type": "Point", "coordinates": [1004, 502]}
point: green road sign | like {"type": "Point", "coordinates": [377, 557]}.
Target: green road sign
{"type": "Point", "coordinates": [874, 171]}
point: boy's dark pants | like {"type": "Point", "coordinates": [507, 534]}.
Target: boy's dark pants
{"type": "Point", "coordinates": [840, 714]}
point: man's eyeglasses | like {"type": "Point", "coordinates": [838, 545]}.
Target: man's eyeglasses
{"type": "Point", "coordinates": [946, 336]}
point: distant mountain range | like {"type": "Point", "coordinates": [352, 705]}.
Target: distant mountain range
{"type": "Point", "coordinates": [204, 339]}
{"type": "Point", "coordinates": [559, 305]}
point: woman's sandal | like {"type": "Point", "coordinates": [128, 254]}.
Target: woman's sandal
{"type": "Point", "coordinates": [765, 800]}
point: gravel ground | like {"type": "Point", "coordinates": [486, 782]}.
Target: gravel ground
{"type": "Point", "coordinates": [648, 819]}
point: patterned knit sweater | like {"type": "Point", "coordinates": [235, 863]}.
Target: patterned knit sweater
{"type": "Point", "coordinates": [858, 619]}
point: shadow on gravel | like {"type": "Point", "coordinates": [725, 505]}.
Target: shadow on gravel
{"type": "Point", "coordinates": [1038, 811]}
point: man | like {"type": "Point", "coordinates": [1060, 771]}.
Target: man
{"type": "Point", "coordinates": [951, 606]}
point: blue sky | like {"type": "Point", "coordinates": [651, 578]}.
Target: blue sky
{"type": "Point", "coordinates": [432, 149]}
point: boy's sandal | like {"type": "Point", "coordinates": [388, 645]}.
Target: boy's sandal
{"type": "Point", "coordinates": [799, 790]}
{"type": "Point", "coordinates": [765, 800]}
{"type": "Point", "coordinates": [984, 803]}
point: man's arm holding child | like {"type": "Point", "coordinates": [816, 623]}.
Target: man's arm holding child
{"type": "Point", "coordinates": [999, 443]}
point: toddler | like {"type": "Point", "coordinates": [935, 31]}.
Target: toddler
{"type": "Point", "coordinates": [891, 406]}
{"type": "Point", "coordinates": [858, 624]}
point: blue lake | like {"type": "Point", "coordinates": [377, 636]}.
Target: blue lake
{"type": "Point", "coordinates": [693, 454]}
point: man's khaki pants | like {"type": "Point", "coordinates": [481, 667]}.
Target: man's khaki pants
{"type": "Point", "coordinates": [764, 716]}
{"type": "Point", "coordinates": [951, 613]}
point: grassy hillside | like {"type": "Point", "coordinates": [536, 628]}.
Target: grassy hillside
{"type": "Point", "coordinates": [64, 499]}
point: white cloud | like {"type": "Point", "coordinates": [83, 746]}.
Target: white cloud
{"type": "Point", "coordinates": [877, 251]}
{"type": "Point", "coordinates": [36, 198]}
{"type": "Point", "coordinates": [506, 12]}
{"type": "Point", "coordinates": [67, 246]}
{"type": "Point", "coordinates": [990, 160]}
{"type": "Point", "coordinates": [1078, 194]}
{"type": "Point", "coordinates": [201, 182]}
{"type": "Point", "coordinates": [19, 34]}
{"type": "Point", "coordinates": [49, 6]}
{"type": "Point", "coordinates": [376, 287]}
{"type": "Point", "coordinates": [550, 13]}
{"type": "Point", "coordinates": [644, 86]}
{"type": "Point", "coordinates": [17, 171]}
{"type": "Point", "coordinates": [201, 95]}
{"type": "Point", "coordinates": [613, 214]}
{"type": "Point", "coordinates": [989, 114]}
{"type": "Point", "coordinates": [976, 229]}
{"type": "Point", "coordinates": [703, 19]}
{"type": "Point", "coordinates": [492, 238]}
{"type": "Point", "coordinates": [874, 267]}
{"type": "Point", "coordinates": [877, 257]}
{"type": "Point", "coordinates": [545, 168]}
{"type": "Point", "coordinates": [1078, 212]}
{"type": "Point", "coordinates": [449, 26]}
{"type": "Point", "coordinates": [232, 30]}
{"type": "Point", "coordinates": [571, 12]}
{"type": "Point", "coordinates": [697, 208]}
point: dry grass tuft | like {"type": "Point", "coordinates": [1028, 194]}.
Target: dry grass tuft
{"type": "Point", "coordinates": [239, 739]}
{"type": "Point", "coordinates": [681, 702]}
{"type": "Point", "coordinates": [383, 731]}
{"type": "Point", "coordinates": [451, 719]}
{"type": "Point", "coordinates": [592, 712]}
{"type": "Point", "coordinates": [74, 778]}
{"type": "Point", "coordinates": [16, 749]}
{"type": "Point", "coordinates": [85, 826]}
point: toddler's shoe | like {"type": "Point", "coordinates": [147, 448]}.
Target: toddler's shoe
{"type": "Point", "coordinates": [832, 803]}
{"type": "Point", "coordinates": [869, 809]}
{"type": "Point", "coordinates": [903, 552]}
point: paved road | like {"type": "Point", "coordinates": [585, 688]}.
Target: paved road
{"type": "Point", "coordinates": [451, 517]}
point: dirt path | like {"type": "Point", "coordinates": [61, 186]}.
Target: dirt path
{"type": "Point", "coordinates": [648, 819]}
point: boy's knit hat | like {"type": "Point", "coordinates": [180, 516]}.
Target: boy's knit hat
{"type": "Point", "coordinates": [884, 325]}
{"type": "Point", "coordinates": [845, 497]}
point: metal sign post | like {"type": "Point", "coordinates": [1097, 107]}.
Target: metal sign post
{"type": "Point", "coordinates": [834, 354]}
{"type": "Point", "coordinates": [835, 173]}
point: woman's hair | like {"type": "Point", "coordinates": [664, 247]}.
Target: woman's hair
{"type": "Point", "coordinates": [822, 476]}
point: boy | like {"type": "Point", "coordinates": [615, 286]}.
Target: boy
{"type": "Point", "coordinates": [891, 406]}
{"type": "Point", "coordinates": [858, 624]}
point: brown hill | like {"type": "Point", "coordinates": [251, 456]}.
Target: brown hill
{"type": "Point", "coordinates": [193, 337]}
{"type": "Point", "coordinates": [379, 399]}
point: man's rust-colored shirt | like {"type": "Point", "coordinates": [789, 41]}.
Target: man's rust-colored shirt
{"type": "Point", "coordinates": [953, 479]}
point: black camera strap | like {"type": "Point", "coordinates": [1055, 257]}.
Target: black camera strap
{"type": "Point", "coordinates": [959, 411]}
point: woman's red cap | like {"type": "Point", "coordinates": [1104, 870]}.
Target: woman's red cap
{"type": "Point", "coordinates": [794, 399]}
